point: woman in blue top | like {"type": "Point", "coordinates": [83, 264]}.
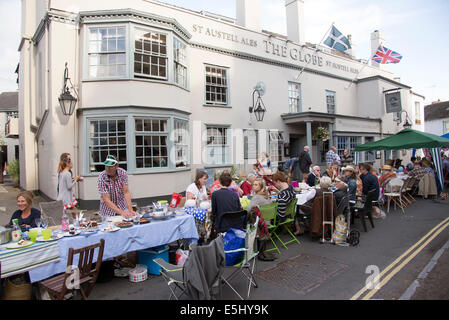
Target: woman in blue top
{"type": "Point", "coordinates": [26, 214]}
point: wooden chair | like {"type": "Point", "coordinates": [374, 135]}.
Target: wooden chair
{"type": "Point", "coordinates": [57, 287]}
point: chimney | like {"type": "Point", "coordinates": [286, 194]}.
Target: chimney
{"type": "Point", "coordinates": [294, 10]}
{"type": "Point", "coordinates": [249, 14]}
{"type": "Point", "coordinates": [377, 38]}
{"type": "Point", "coordinates": [351, 51]}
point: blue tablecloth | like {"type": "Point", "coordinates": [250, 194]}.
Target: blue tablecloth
{"type": "Point", "coordinates": [125, 240]}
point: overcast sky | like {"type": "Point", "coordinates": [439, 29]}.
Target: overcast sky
{"type": "Point", "coordinates": [416, 29]}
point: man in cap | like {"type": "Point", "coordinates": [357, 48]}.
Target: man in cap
{"type": "Point", "coordinates": [114, 190]}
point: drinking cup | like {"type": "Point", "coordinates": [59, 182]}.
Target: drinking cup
{"type": "Point", "coordinates": [46, 234]}
{"type": "Point", "coordinates": [33, 235]}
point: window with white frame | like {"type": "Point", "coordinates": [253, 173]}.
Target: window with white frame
{"type": "Point", "coordinates": [181, 143]}
{"type": "Point", "coordinates": [348, 143]}
{"type": "Point", "coordinates": [107, 137]}
{"type": "Point", "coordinates": [276, 143]}
{"type": "Point", "coordinates": [216, 86]}
{"type": "Point", "coordinates": [417, 112]}
{"type": "Point", "coordinates": [151, 143]}
{"type": "Point", "coordinates": [294, 97]}
{"type": "Point", "coordinates": [330, 101]}
{"type": "Point", "coordinates": [107, 52]}
{"type": "Point", "coordinates": [217, 145]}
{"type": "Point", "coordinates": [180, 62]}
{"type": "Point", "coordinates": [250, 144]}
{"type": "Point", "coordinates": [150, 54]}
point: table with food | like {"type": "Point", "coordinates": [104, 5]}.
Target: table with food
{"type": "Point", "coordinates": [43, 252]}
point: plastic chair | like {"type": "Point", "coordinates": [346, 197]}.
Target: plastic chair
{"type": "Point", "coordinates": [52, 211]}
{"type": "Point", "coordinates": [268, 212]}
{"type": "Point", "coordinates": [177, 277]}
{"type": "Point", "coordinates": [290, 214]}
{"type": "Point", "coordinates": [395, 187]}
{"type": "Point", "coordinates": [57, 286]}
{"type": "Point", "coordinates": [245, 264]}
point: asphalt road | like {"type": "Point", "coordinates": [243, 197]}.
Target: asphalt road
{"type": "Point", "coordinates": [314, 271]}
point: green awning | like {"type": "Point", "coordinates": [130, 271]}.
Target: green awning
{"type": "Point", "coordinates": [406, 139]}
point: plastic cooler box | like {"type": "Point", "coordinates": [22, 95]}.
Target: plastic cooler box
{"type": "Point", "coordinates": [146, 257]}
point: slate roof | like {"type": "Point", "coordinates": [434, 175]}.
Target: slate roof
{"type": "Point", "coordinates": [9, 101]}
{"type": "Point", "coordinates": [436, 111]}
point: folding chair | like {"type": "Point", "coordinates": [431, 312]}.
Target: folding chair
{"type": "Point", "coordinates": [268, 212]}
{"type": "Point", "coordinates": [395, 187]}
{"type": "Point", "coordinates": [57, 286]}
{"type": "Point", "coordinates": [365, 209]}
{"type": "Point", "coordinates": [407, 190]}
{"type": "Point", "coordinates": [290, 214]}
{"type": "Point", "coordinates": [177, 277]}
{"type": "Point", "coordinates": [52, 211]}
{"type": "Point", "coordinates": [248, 254]}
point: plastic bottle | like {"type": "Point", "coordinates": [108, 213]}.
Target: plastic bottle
{"type": "Point", "coordinates": [65, 222]}
{"type": "Point", "coordinates": [16, 233]}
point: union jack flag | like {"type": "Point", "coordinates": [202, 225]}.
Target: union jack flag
{"type": "Point", "coordinates": [384, 55]}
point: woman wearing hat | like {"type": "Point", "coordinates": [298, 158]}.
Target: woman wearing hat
{"type": "Point", "coordinates": [387, 174]}
{"type": "Point", "coordinates": [351, 180]}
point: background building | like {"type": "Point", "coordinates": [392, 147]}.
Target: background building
{"type": "Point", "coordinates": [437, 118]}
{"type": "Point", "coordinates": [9, 125]}
{"type": "Point", "coordinates": [167, 90]}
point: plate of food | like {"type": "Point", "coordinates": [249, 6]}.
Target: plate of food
{"type": "Point", "coordinates": [71, 233]}
{"type": "Point", "coordinates": [144, 220]}
{"type": "Point", "coordinates": [19, 245]}
{"type": "Point", "coordinates": [110, 229]}
{"type": "Point", "coordinates": [89, 224]}
{"type": "Point", "coordinates": [124, 224]}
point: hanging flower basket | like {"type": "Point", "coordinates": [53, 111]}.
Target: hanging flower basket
{"type": "Point", "coordinates": [321, 134]}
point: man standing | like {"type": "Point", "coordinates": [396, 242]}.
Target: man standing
{"type": "Point", "coordinates": [346, 160]}
{"type": "Point", "coordinates": [304, 160]}
{"type": "Point", "coordinates": [114, 190]}
{"type": "Point", "coordinates": [332, 157]}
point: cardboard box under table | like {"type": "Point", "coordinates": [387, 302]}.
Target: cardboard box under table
{"type": "Point", "coordinates": [146, 257]}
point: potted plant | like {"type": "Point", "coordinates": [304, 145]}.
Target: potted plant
{"type": "Point", "coordinates": [321, 133]}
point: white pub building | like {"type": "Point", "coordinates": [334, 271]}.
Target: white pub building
{"type": "Point", "coordinates": [167, 90]}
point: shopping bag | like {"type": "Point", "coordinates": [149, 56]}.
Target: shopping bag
{"type": "Point", "coordinates": [234, 239]}
{"type": "Point", "coordinates": [341, 228]}
{"type": "Point", "coordinates": [181, 256]}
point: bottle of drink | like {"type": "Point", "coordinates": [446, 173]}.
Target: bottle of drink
{"type": "Point", "coordinates": [16, 232]}
{"type": "Point", "coordinates": [65, 222]}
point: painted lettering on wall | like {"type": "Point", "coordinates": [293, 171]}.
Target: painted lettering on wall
{"type": "Point", "coordinates": [224, 35]}
{"type": "Point", "coordinates": [274, 49]}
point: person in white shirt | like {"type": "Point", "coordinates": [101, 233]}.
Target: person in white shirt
{"type": "Point", "coordinates": [197, 190]}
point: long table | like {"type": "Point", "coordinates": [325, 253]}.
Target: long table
{"type": "Point", "coordinates": [15, 261]}
{"type": "Point", "coordinates": [138, 237]}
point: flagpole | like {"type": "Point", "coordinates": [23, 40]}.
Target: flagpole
{"type": "Point", "coordinates": [316, 50]}
{"type": "Point", "coordinates": [364, 65]}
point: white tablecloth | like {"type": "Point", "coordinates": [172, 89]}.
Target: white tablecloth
{"type": "Point", "coordinates": [15, 261]}
{"type": "Point", "coordinates": [305, 196]}
{"type": "Point", "coordinates": [125, 240]}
